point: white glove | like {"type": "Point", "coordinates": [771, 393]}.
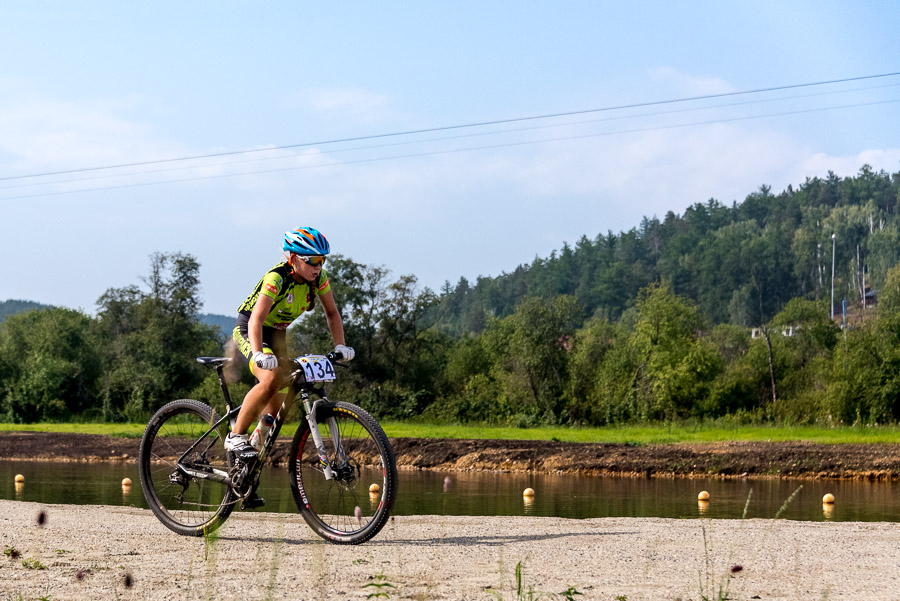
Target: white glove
{"type": "Point", "coordinates": [264, 360]}
{"type": "Point", "coordinates": [347, 353]}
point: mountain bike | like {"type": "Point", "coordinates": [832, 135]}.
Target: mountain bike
{"type": "Point", "coordinates": [342, 469]}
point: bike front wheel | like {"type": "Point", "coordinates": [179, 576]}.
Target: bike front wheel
{"type": "Point", "coordinates": [354, 505]}
{"type": "Point", "coordinates": [181, 466]}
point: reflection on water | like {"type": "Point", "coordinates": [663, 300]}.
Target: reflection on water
{"type": "Point", "coordinates": [488, 493]}
{"type": "Point", "coordinates": [702, 508]}
{"type": "Point", "coordinates": [528, 505]}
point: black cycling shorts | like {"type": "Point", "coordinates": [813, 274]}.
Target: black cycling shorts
{"type": "Point", "coordinates": [274, 341]}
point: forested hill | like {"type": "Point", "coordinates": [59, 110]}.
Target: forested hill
{"type": "Point", "coordinates": [11, 307]}
{"type": "Point", "coordinates": [740, 264]}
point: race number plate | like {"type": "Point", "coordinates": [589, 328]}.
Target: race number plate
{"type": "Point", "coordinates": [317, 368]}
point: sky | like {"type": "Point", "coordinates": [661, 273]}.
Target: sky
{"type": "Point", "coordinates": [98, 84]}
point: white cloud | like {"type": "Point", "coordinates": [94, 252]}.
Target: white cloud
{"type": "Point", "coordinates": [613, 179]}
{"type": "Point", "coordinates": [819, 164]}
{"type": "Point", "coordinates": [619, 179]}
{"type": "Point", "coordinates": [345, 104]}
{"type": "Point", "coordinates": [691, 84]}
{"type": "Point", "coordinates": [37, 133]}
{"type": "Point", "coordinates": [665, 169]}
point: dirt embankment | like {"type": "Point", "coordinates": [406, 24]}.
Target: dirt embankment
{"type": "Point", "coordinates": [729, 459]}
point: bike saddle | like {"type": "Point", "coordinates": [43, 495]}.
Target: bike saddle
{"type": "Point", "coordinates": [213, 361]}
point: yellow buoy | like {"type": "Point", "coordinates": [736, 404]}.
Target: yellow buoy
{"type": "Point", "coordinates": [528, 492]}
{"type": "Point", "coordinates": [20, 478]}
{"type": "Point", "coordinates": [703, 496]}
{"type": "Point", "coordinates": [126, 481]}
{"type": "Point", "coordinates": [828, 499]}
{"type": "Point", "coordinates": [374, 487]}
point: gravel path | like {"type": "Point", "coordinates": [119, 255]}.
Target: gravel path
{"type": "Point", "coordinates": [95, 552]}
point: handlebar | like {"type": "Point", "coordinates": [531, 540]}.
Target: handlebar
{"type": "Point", "coordinates": [286, 360]}
{"type": "Point", "coordinates": [294, 372]}
{"type": "Point", "coordinates": [333, 356]}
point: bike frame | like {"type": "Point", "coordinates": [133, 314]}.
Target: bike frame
{"type": "Point", "coordinates": [298, 386]}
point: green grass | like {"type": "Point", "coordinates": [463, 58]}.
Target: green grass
{"type": "Point", "coordinates": [632, 434]}
{"type": "Point", "coordinates": [651, 434]}
{"type": "Point", "coordinates": [120, 430]}
{"type": "Point", "coordinates": [33, 564]}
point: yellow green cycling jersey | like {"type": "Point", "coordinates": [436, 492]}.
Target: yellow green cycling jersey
{"type": "Point", "coordinates": [290, 297]}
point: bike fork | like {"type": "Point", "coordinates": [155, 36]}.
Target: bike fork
{"type": "Point", "coordinates": [317, 437]}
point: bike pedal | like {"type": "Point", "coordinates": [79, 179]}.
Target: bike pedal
{"type": "Point", "coordinates": [253, 502]}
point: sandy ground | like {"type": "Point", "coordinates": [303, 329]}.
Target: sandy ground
{"type": "Point", "coordinates": [95, 552]}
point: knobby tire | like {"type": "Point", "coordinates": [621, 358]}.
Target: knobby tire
{"type": "Point", "coordinates": [343, 510]}
{"type": "Point", "coordinates": [203, 504]}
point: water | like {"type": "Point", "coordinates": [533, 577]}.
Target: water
{"type": "Point", "coordinates": [485, 493]}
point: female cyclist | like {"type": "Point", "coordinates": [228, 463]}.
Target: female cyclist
{"type": "Point", "coordinates": [284, 293]}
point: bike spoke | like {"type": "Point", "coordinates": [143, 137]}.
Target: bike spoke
{"type": "Point", "coordinates": [343, 505]}
{"type": "Point", "coordinates": [187, 501]}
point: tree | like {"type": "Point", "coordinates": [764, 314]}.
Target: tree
{"type": "Point", "coordinates": [542, 335]}
{"type": "Point", "coordinates": [734, 390]}
{"type": "Point", "coordinates": [802, 338]}
{"type": "Point", "coordinates": [49, 365]}
{"type": "Point", "coordinates": [154, 337]}
{"type": "Point", "coordinates": [723, 270]}
{"type": "Point", "coordinates": [590, 400]}
{"type": "Point", "coordinates": [389, 323]}
{"type": "Point", "coordinates": [528, 357]}
{"type": "Point", "coordinates": [883, 251]}
{"type": "Point", "coordinates": [865, 386]}
{"type": "Point", "coordinates": [676, 365]}
{"type": "Point", "coordinates": [811, 250]}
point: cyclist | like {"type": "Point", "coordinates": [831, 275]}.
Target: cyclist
{"type": "Point", "coordinates": [284, 293]}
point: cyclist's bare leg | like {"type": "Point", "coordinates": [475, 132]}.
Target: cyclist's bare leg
{"type": "Point", "coordinates": [274, 405]}
{"type": "Point", "coordinates": [261, 395]}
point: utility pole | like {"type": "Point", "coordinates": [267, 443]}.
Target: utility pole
{"type": "Point", "coordinates": [833, 237]}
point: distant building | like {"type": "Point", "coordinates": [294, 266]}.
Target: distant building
{"type": "Point", "coordinates": [786, 331]}
{"type": "Point", "coordinates": [871, 297]}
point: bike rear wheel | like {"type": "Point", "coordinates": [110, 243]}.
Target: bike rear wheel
{"type": "Point", "coordinates": [343, 510]}
{"type": "Point", "coordinates": [190, 505]}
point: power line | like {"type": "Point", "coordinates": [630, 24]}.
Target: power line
{"type": "Point", "coordinates": [445, 138]}
{"type": "Point", "coordinates": [452, 151]}
{"type": "Point", "coordinates": [452, 127]}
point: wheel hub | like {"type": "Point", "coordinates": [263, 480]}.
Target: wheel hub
{"type": "Point", "coordinates": [346, 473]}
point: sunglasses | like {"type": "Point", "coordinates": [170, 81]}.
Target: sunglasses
{"type": "Point", "coordinates": [314, 261]}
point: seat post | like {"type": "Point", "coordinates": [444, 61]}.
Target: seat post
{"type": "Point", "coordinates": [220, 371]}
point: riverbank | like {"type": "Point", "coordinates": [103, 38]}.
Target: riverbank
{"type": "Point", "coordinates": [99, 552]}
{"type": "Point", "coordinates": [792, 459]}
